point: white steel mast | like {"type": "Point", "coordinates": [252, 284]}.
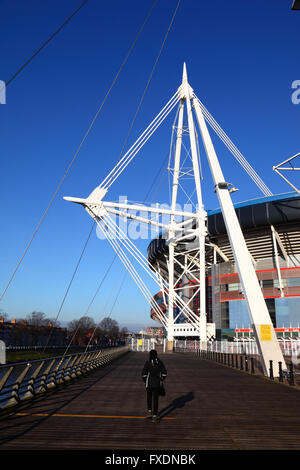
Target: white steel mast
{"type": "Point", "coordinates": [200, 229]}
{"type": "Point", "coordinates": [200, 219]}
{"type": "Point", "coordinates": [202, 216]}
{"type": "Point", "coordinates": [262, 325]}
{"type": "Point", "coordinates": [171, 231]}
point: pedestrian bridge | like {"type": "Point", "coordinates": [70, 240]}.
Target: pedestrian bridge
{"type": "Point", "coordinates": [208, 405]}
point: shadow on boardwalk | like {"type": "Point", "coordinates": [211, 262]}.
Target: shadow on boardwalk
{"type": "Point", "coordinates": [175, 404]}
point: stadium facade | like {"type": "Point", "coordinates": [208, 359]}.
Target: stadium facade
{"type": "Point", "coordinates": [271, 227]}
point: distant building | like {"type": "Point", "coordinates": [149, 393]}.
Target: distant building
{"type": "Point", "coordinates": [21, 334]}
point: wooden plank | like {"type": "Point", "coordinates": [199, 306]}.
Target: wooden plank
{"type": "Point", "coordinates": [207, 406]}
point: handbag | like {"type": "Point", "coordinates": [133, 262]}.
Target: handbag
{"type": "Point", "coordinates": [162, 390]}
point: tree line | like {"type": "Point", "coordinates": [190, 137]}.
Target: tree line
{"type": "Point", "coordinates": [81, 332]}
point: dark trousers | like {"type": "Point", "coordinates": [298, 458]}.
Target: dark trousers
{"type": "Point", "coordinates": [152, 398]}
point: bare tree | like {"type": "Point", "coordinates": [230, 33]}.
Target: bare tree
{"type": "Point", "coordinates": [80, 330]}
{"type": "Point", "coordinates": [110, 327]}
{"type": "Point", "coordinates": [123, 332]}
{"type": "Point", "coordinates": [37, 319]}
{"type": "Point", "coordinates": [3, 315]}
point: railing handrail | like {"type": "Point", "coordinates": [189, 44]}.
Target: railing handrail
{"type": "Point", "coordinates": [244, 362]}
{"type": "Point", "coordinates": [55, 357]}
{"type": "Point", "coordinates": [49, 372]}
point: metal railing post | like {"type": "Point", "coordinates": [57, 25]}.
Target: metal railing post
{"type": "Point", "coordinates": [252, 366]}
{"type": "Point", "coordinates": [271, 370]}
{"type": "Point", "coordinates": [280, 372]}
{"type": "Point", "coordinates": [30, 388]}
{"type": "Point", "coordinates": [291, 375]}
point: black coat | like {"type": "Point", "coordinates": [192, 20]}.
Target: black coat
{"type": "Point", "coordinates": [153, 373]}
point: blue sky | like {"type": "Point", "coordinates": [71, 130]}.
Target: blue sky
{"type": "Point", "coordinates": [242, 58]}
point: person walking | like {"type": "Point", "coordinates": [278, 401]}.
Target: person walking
{"type": "Point", "coordinates": [153, 374]}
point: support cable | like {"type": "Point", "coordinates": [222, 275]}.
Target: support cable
{"type": "Point", "coordinates": [111, 310]}
{"type": "Point", "coordinates": [140, 258]}
{"type": "Point", "coordinates": [42, 46]}
{"type": "Point", "coordinates": [100, 285]}
{"type": "Point", "coordinates": [132, 271]}
{"type": "Point", "coordinates": [125, 160]}
{"type": "Point", "coordinates": [234, 150]}
{"type": "Point", "coordinates": [140, 142]}
{"type": "Point", "coordinates": [110, 232]}
{"type": "Point", "coordinates": [71, 281]}
{"type": "Point", "coordinates": [147, 85]}
{"type": "Point", "coordinates": [90, 304]}
{"type": "Point", "coordinates": [107, 231]}
{"type": "Point", "coordinates": [150, 76]}
{"type": "Point", "coordinates": [77, 151]}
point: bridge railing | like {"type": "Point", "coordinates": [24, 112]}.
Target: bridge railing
{"type": "Point", "coordinates": [245, 359]}
{"type": "Point", "coordinates": [25, 380]}
{"type": "Point", "coordinates": [289, 348]}
{"type": "Point", "coordinates": [142, 344]}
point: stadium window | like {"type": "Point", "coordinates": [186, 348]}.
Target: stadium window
{"type": "Point", "coordinates": [224, 315]}
{"type": "Point", "coordinates": [272, 311]}
{"type": "Point", "coordinates": [293, 282]}
{"type": "Point", "coordinates": [284, 283]}
{"type": "Point", "coordinates": [234, 287]}
{"type": "Point", "coordinates": [267, 283]}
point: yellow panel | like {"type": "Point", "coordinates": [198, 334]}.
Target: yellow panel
{"type": "Point", "coordinates": [265, 333]}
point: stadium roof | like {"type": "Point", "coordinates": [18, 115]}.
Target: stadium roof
{"type": "Point", "coordinates": [260, 200]}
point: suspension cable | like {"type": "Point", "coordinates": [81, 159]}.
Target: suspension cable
{"type": "Point", "coordinates": [116, 246]}
{"type": "Point", "coordinates": [234, 150]}
{"type": "Point", "coordinates": [134, 149]}
{"type": "Point", "coordinates": [42, 46]}
{"type": "Point", "coordinates": [107, 271]}
{"type": "Point", "coordinates": [141, 259]}
{"type": "Point", "coordinates": [111, 310]}
{"type": "Point", "coordinates": [125, 160]}
{"type": "Point", "coordinates": [70, 283]}
{"type": "Point", "coordinates": [77, 151]}
{"type": "Point", "coordinates": [90, 304]}
{"type": "Point", "coordinates": [130, 268]}
{"type": "Point", "coordinates": [109, 182]}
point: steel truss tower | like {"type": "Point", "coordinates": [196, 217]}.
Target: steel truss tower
{"type": "Point", "coordinates": [192, 224]}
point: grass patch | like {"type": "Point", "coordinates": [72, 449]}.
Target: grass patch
{"type": "Point", "coordinates": [23, 356]}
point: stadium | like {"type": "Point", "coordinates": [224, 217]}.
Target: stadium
{"type": "Point", "coordinates": [271, 228]}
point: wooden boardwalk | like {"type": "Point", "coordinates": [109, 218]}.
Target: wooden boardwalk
{"type": "Point", "coordinates": [207, 406]}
